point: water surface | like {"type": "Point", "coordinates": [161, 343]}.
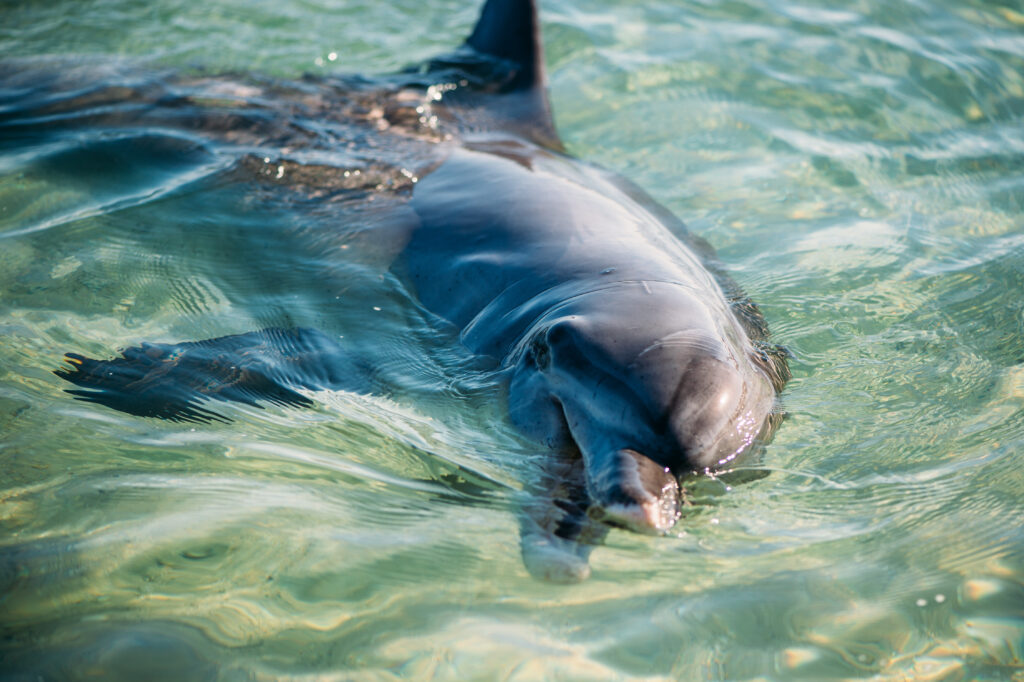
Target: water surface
{"type": "Point", "coordinates": [858, 166]}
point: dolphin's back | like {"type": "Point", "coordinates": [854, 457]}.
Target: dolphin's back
{"type": "Point", "coordinates": [519, 234]}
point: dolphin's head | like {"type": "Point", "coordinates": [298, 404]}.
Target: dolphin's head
{"type": "Point", "coordinates": [650, 387]}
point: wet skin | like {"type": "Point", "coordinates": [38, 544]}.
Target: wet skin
{"type": "Point", "coordinates": [629, 355]}
{"type": "Point", "coordinates": [617, 339]}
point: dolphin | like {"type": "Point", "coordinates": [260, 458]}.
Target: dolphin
{"type": "Point", "coordinates": [629, 355]}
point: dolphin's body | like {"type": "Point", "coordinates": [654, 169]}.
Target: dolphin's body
{"type": "Point", "coordinates": [628, 353]}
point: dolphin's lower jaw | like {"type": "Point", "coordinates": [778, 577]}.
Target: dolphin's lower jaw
{"type": "Point", "coordinates": [632, 491]}
{"type": "Point", "coordinates": [649, 517]}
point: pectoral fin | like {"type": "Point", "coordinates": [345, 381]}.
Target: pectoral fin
{"type": "Point", "coordinates": [172, 381]}
{"type": "Point", "coordinates": [556, 534]}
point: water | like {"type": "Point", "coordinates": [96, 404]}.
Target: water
{"type": "Point", "coordinates": [859, 167]}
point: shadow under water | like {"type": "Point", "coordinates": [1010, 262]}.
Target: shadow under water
{"type": "Point", "coordinates": [858, 169]}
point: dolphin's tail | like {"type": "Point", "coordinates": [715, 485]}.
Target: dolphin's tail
{"type": "Point", "coordinates": [173, 380]}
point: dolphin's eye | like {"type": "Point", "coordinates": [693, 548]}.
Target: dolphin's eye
{"type": "Point", "coordinates": [562, 333]}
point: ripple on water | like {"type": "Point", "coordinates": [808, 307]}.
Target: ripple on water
{"type": "Point", "coordinates": [134, 169]}
{"type": "Point", "coordinates": [857, 169]}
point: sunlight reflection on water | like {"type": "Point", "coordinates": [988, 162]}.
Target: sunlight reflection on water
{"type": "Point", "coordinates": [858, 170]}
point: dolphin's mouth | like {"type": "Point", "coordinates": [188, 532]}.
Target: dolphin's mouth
{"type": "Point", "coordinates": [651, 517]}
{"type": "Point", "coordinates": [635, 493]}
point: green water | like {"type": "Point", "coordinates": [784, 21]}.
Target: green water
{"type": "Point", "coordinates": [858, 166]}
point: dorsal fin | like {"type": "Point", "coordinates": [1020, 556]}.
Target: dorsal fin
{"type": "Point", "coordinates": [502, 86]}
{"type": "Point", "coordinates": [510, 30]}
{"type": "Point", "coordinates": [500, 72]}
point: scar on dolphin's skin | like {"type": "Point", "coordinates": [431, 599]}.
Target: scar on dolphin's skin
{"type": "Point", "coordinates": [631, 357]}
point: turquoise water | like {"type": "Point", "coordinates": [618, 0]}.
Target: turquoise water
{"type": "Point", "coordinates": [860, 169]}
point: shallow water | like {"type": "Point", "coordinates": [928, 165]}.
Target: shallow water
{"type": "Point", "coordinates": [860, 169]}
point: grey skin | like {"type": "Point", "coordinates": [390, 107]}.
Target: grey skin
{"type": "Point", "coordinates": [623, 350]}
{"type": "Point", "coordinates": [619, 343]}
{"type": "Point", "coordinates": [629, 355]}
